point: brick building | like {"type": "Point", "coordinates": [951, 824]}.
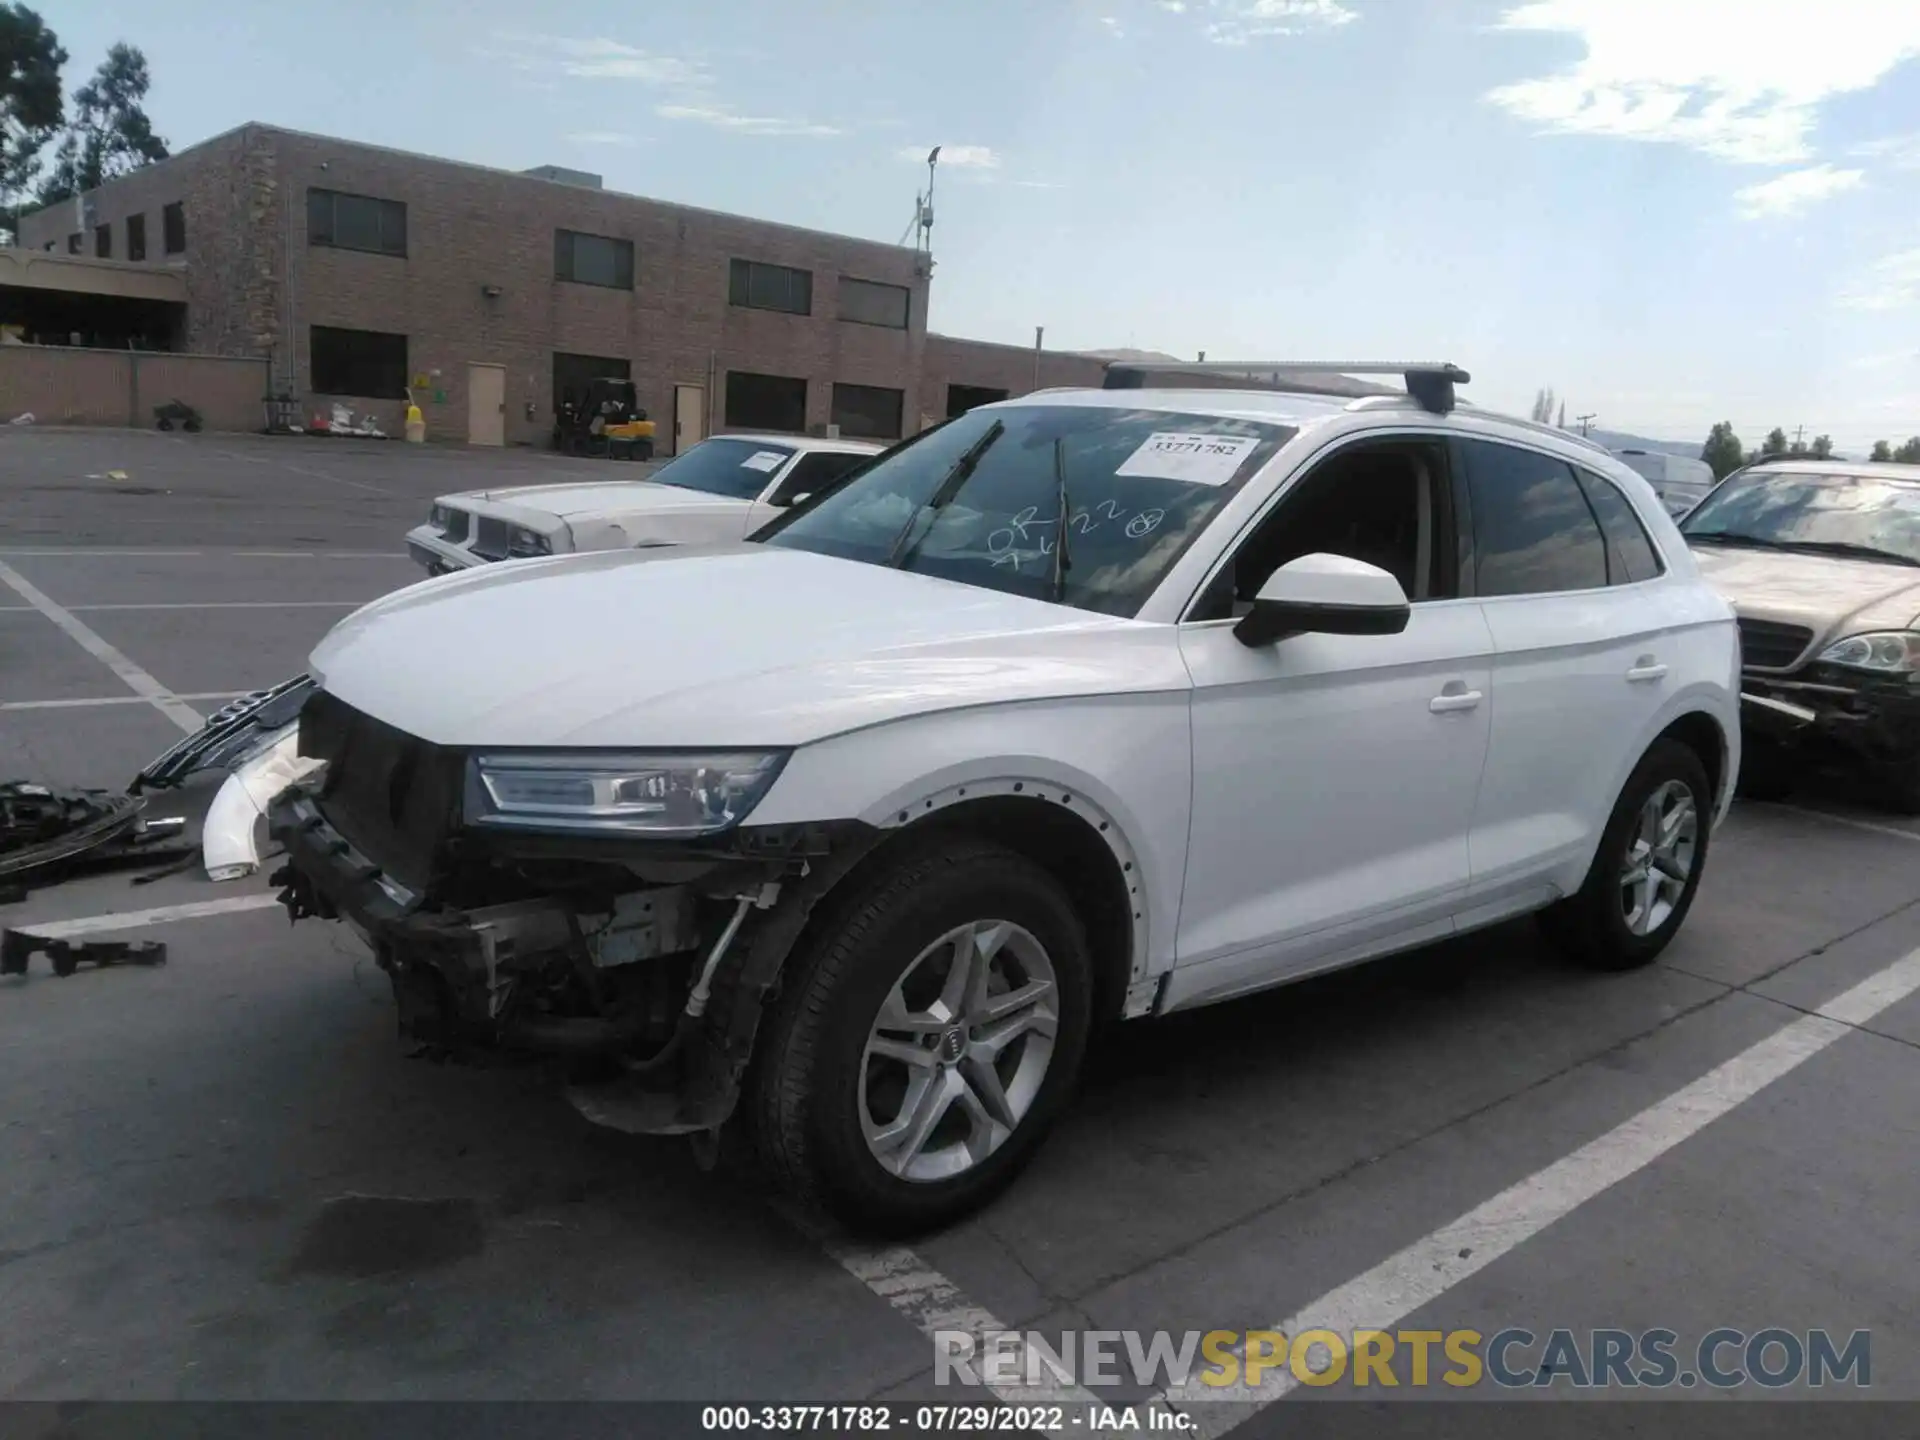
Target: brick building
{"type": "Point", "coordinates": [358, 272]}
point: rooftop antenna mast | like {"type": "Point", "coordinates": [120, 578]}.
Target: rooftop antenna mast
{"type": "Point", "coordinates": [921, 227]}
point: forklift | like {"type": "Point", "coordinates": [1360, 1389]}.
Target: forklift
{"type": "Point", "coordinates": [607, 420]}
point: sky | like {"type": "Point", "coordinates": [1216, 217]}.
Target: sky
{"type": "Point", "coordinates": [1672, 212]}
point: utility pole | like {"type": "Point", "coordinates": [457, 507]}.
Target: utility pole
{"type": "Point", "coordinates": [1586, 422]}
{"type": "Point", "coordinates": [1798, 431]}
{"type": "Point", "coordinates": [1039, 333]}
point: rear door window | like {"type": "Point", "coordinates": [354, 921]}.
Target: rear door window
{"type": "Point", "coordinates": [1534, 532]}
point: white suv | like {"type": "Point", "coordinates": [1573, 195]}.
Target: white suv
{"type": "Point", "coordinates": [1087, 705]}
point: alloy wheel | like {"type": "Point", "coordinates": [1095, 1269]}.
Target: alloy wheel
{"type": "Point", "coordinates": [1661, 851]}
{"type": "Point", "coordinates": [958, 1052]}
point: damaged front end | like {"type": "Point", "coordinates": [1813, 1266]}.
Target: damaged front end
{"type": "Point", "coordinates": [636, 964]}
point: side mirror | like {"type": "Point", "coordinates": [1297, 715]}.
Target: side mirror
{"type": "Point", "coordinates": [1325, 595]}
{"type": "Point", "coordinates": [790, 501]}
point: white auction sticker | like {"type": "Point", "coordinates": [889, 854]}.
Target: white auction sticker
{"type": "Point", "coordinates": [766, 460]}
{"type": "Point", "coordinates": [1197, 459]}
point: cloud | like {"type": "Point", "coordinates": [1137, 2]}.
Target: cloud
{"type": "Point", "coordinates": [1039, 184]}
{"type": "Point", "coordinates": [1112, 27]}
{"type": "Point", "coordinates": [595, 58]}
{"type": "Point", "coordinates": [1741, 80]}
{"type": "Point", "coordinates": [722, 118]}
{"type": "Point", "coordinates": [961, 157]}
{"type": "Point", "coordinates": [1236, 22]}
{"type": "Point", "coordinates": [601, 137]}
{"type": "Point", "coordinates": [1891, 283]}
{"type": "Point", "coordinates": [1795, 191]}
{"type": "Point", "coordinates": [1885, 362]}
{"type": "Point", "coordinates": [1173, 7]}
{"type": "Point", "coordinates": [1902, 152]}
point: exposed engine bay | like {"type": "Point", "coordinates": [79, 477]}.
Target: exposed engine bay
{"type": "Point", "coordinates": [637, 967]}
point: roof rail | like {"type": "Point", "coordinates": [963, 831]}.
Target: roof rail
{"type": "Point", "coordinates": [1431, 383]}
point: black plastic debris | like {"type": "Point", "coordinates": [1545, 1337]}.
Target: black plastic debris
{"type": "Point", "coordinates": [17, 947]}
{"type": "Point", "coordinates": [49, 835]}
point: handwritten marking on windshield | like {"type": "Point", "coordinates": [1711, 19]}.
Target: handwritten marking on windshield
{"type": "Point", "coordinates": [1006, 545]}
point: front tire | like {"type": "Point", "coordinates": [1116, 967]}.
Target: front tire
{"type": "Point", "coordinates": [924, 1045]}
{"type": "Point", "coordinates": [1647, 868]}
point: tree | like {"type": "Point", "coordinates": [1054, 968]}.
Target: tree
{"type": "Point", "coordinates": [31, 109]}
{"type": "Point", "coordinates": [1543, 407]}
{"type": "Point", "coordinates": [1822, 447]}
{"type": "Point", "coordinates": [1882, 452]}
{"type": "Point", "coordinates": [1562, 421]}
{"type": "Point", "coordinates": [1775, 443]}
{"type": "Point", "coordinates": [109, 135]}
{"type": "Point", "coordinates": [1722, 450]}
{"type": "Point", "coordinates": [1909, 453]}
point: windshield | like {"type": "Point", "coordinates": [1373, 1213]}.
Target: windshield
{"type": "Point", "coordinates": [978, 500]}
{"type": "Point", "coordinates": [1794, 511]}
{"type": "Point", "coordinates": [727, 465]}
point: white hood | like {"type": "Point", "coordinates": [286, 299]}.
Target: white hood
{"type": "Point", "coordinates": [597, 498]}
{"type": "Point", "coordinates": [743, 646]}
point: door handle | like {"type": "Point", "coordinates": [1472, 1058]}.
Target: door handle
{"type": "Point", "coordinates": [1645, 670]}
{"type": "Point", "coordinates": [1455, 697]}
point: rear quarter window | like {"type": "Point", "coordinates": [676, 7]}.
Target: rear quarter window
{"type": "Point", "coordinates": [1631, 553]}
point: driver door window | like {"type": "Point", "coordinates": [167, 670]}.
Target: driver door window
{"type": "Point", "coordinates": [1388, 504]}
{"type": "Point", "coordinates": [1332, 797]}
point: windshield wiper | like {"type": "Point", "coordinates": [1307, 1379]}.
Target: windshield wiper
{"type": "Point", "coordinates": [901, 551]}
{"type": "Point", "coordinates": [1731, 537]}
{"type": "Point", "coordinates": [1061, 564]}
{"type": "Point", "coordinates": [1844, 548]}
{"type": "Point", "coordinates": [1850, 550]}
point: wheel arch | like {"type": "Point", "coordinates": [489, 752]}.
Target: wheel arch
{"type": "Point", "coordinates": [1066, 834]}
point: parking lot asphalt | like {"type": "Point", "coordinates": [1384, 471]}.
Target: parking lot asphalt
{"type": "Point", "coordinates": [224, 1180]}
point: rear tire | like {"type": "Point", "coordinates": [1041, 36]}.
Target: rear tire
{"type": "Point", "coordinates": [895, 1145]}
{"type": "Point", "coordinates": [1647, 868]}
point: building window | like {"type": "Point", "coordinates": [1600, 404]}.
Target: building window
{"type": "Point", "coordinates": [136, 237]}
{"type": "Point", "coordinates": [356, 222]}
{"type": "Point", "coordinates": [962, 398]}
{"type": "Point", "coordinates": [572, 374]}
{"type": "Point", "coordinates": [868, 302]}
{"type": "Point", "coordinates": [770, 287]}
{"type": "Point", "coordinates": [73, 243]}
{"type": "Point", "coordinates": [766, 402]}
{"type": "Point", "coordinates": [173, 227]}
{"type": "Point", "coordinates": [103, 242]}
{"type": "Point", "coordinates": [592, 260]}
{"type": "Point", "coordinates": [363, 363]}
{"type": "Point", "coordinates": [867, 412]}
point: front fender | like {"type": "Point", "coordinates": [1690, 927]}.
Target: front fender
{"type": "Point", "coordinates": [1123, 763]}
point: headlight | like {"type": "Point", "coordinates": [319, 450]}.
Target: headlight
{"type": "Point", "coordinates": [660, 794]}
{"type": "Point", "coordinates": [522, 543]}
{"type": "Point", "coordinates": [1888, 652]}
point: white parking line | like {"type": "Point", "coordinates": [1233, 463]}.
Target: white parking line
{"type": "Point", "coordinates": [115, 700]}
{"type": "Point", "coordinates": [208, 605]}
{"type": "Point", "coordinates": [1428, 1268]}
{"type": "Point", "coordinates": [141, 919]}
{"type": "Point", "coordinates": [932, 1303]}
{"type": "Point", "coordinates": [135, 679]}
{"type": "Point", "coordinates": [1852, 824]}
